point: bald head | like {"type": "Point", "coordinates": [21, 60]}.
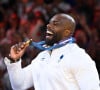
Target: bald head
{"type": "Point", "coordinates": [67, 21]}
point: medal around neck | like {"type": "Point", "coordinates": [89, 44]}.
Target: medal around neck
{"type": "Point", "coordinates": [42, 44]}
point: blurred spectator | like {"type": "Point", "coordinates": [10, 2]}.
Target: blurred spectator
{"type": "Point", "coordinates": [86, 7]}
{"type": "Point", "coordinates": [4, 78]}
{"type": "Point", "coordinates": [2, 31]}
{"type": "Point", "coordinates": [23, 6]}
{"type": "Point", "coordinates": [96, 25]}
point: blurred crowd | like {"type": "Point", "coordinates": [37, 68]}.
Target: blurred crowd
{"type": "Point", "coordinates": [21, 20]}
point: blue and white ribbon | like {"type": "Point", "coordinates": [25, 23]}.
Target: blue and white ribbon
{"type": "Point", "coordinates": [42, 45]}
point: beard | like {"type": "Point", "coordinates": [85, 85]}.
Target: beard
{"type": "Point", "coordinates": [53, 40]}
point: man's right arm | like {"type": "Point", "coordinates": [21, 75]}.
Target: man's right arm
{"type": "Point", "coordinates": [20, 78]}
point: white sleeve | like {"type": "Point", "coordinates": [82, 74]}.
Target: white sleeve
{"type": "Point", "coordinates": [85, 72]}
{"type": "Point", "coordinates": [20, 78]}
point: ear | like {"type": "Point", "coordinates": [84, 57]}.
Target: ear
{"type": "Point", "coordinates": [67, 33]}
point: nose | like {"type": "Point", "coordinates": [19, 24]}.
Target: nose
{"type": "Point", "coordinates": [48, 26]}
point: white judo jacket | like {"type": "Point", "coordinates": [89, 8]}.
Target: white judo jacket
{"type": "Point", "coordinates": [65, 68]}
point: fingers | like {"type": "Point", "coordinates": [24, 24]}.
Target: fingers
{"type": "Point", "coordinates": [14, 47]}
{"type": "Point", "coordinates": [21, 46]}
{"type": "Point", "coordinates": [18, 47]}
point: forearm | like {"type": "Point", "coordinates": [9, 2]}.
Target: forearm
{"type": "Point", "coordinates": [19, 77]}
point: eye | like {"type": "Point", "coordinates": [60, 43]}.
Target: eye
{"type": "Point", "coordinates": [55, 23]}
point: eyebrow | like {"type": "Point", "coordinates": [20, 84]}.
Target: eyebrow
{"type": "Point", "coordinates": [55, 21]}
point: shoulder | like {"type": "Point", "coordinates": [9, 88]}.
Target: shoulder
{"type": "Point", "coordinates": [79, 57]}
{"type": "Point", "coordinates": [77, 52]}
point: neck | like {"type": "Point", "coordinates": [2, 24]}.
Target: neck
{"type": "Point", "coordinates": [64, 39]}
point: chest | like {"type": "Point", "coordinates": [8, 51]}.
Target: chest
{"type": "Point", "coordinates": [53, 69]}
{"type": "Point", "coordinates": [54, 64]}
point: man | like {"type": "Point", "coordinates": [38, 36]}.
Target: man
{"type": "Point", "coordinates": [61, 66]}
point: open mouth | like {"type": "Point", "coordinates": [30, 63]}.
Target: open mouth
{"type": "Point", "coordinates": [49, 34]}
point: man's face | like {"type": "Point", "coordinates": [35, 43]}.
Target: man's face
{"type": "Point", "coordinates": [55, 30]}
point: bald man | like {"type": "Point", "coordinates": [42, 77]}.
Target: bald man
{"type": "Point", "coordinates": [62, 65]}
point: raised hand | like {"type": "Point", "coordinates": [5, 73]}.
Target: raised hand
{"type": "Point", "coordinates": [18, 50]}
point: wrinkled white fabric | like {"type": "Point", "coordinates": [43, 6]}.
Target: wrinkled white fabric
{"type": "Point", "coordinates": [65, 68]}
